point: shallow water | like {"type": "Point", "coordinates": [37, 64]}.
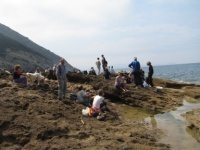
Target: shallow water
{"type": "Point", "coordinates": [177, 134]}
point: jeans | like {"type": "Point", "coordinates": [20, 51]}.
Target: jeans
{"type": "Point", "coordinates": [21, 80]}
{"type": "Point", "coordinates": [62, 86]}
{"type": "Point", "coordinates": [99, 69]}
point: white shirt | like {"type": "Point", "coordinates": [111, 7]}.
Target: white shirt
{"type": "Point", "coordinates": [97, 101]}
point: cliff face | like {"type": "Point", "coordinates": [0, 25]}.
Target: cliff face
{"type": "Point", "coordinates": [17, 49]}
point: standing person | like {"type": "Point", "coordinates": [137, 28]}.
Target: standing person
{"type": "Point", "coordinates": [135, 65]}
{"type": "Point", "coordinates": [150, 73]}
{"type": "Point", "coordinates": [62, 79]}
{"type": "Point", "coordinates": [104, 62]}
{"type": "Point", "coordinates": [98, 63]}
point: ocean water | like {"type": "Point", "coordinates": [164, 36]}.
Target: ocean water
{"type": "Point", "coordinates": [187, 73]}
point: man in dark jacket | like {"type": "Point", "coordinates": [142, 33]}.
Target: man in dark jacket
{"type": "Point", "coordinates": [150, 73]}
{"type": "Point", "coordinates": [104, 62]}
{"type": "Point", "coordinates": [135, 65]}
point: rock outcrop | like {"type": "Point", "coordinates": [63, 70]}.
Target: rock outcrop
{"type": "Point", "coordinates": [33, 118]}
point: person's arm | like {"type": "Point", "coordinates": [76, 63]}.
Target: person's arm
{"type": "Point", "coordinates": [130, 65]}
{"type": "Point", "coordinates": [20, 73]}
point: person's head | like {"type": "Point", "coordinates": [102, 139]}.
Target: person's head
{"type": "Point", "coordinates": [98, 58]}
{"type": "Point", "coordinates": [92, 68]}
{"type": "Point", "coordinates": [148, 63]}
{"type": "Point", "coordinates": [80, 88]}
{"type": "Point", "coordinates": [37, 69]}
{"type": "Point", "coordinates": [100, 92]}
{"type": "Point", "coordinates": [120, 74]}
{"type": "Point", "coordinates": [17, 67]}
{"type": "Point", "coordinates": [135, 58]}
{"type": "Point", "coordinates": [102, 55]}
{"type": "Point", "coordinates": [87, 90]}
{"type": "Point", "coordinates": [62, 61]}
{"type": "Point", "coordinates": [111, 66]}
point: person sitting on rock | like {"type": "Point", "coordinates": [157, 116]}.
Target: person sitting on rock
{"type": "Point", "coordinates": [92, 71]}
{"type": "Point", "coordinates": [112, 70]}
{"type": "Point", "coordinates": [17, 76]}
{"type": "Point", "coordinates": [99, 105]}
{"type": "Point", "coordinates": [83, 97]}
{"type": "Point", "coordinates": [120, 83]}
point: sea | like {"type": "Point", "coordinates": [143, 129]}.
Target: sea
{"type": "Point", "coordinates": [186, 73]}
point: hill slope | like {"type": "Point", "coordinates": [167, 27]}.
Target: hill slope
{"type": "Point", "coordinates": [15, 48]}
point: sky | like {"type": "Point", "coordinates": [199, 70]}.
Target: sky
{"type": "Point", "coordinates": [161, 31]}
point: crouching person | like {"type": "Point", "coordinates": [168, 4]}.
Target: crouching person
{"type": "Point", "coordinates": [17, 76]}
{"type": "Point", "coordinates": [120, 83]}
{"type": "Point", "coordinates": [99, 105]}
{"type": "Point", "coordinates": [83, 97]}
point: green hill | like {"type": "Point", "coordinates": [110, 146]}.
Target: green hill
{"type": "Point", "coordinates": [17, 49]}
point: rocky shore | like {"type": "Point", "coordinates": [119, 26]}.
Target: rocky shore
{"type": "Point", "coordinates": [193, 122]}
{"type": "Point", "coordinates": [33, 118]}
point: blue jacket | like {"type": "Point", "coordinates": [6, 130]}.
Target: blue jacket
{"type": "Point", "coordinates": [135, 65]}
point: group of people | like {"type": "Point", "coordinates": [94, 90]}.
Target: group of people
{"type": "Point", "coordinates": [138, 76]}
{"type": "Point", "coordinates": [96, 103]}
{"type": "Point", "coordinates": [136, 71]}
{"type": "Point", "coordinates": [104, 64]}
{"type": "Point", "coordinates": [84, 97]}
{"type": "Point", "coordinates": [20, 77]}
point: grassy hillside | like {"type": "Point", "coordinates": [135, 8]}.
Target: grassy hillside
{"type": "Point", "coordinates": [15, 48]}
{"type": "Point", "coordinates": [13, 52]}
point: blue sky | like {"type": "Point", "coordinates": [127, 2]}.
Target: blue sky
{"type": "Point", "coordinates": [161, 31]}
